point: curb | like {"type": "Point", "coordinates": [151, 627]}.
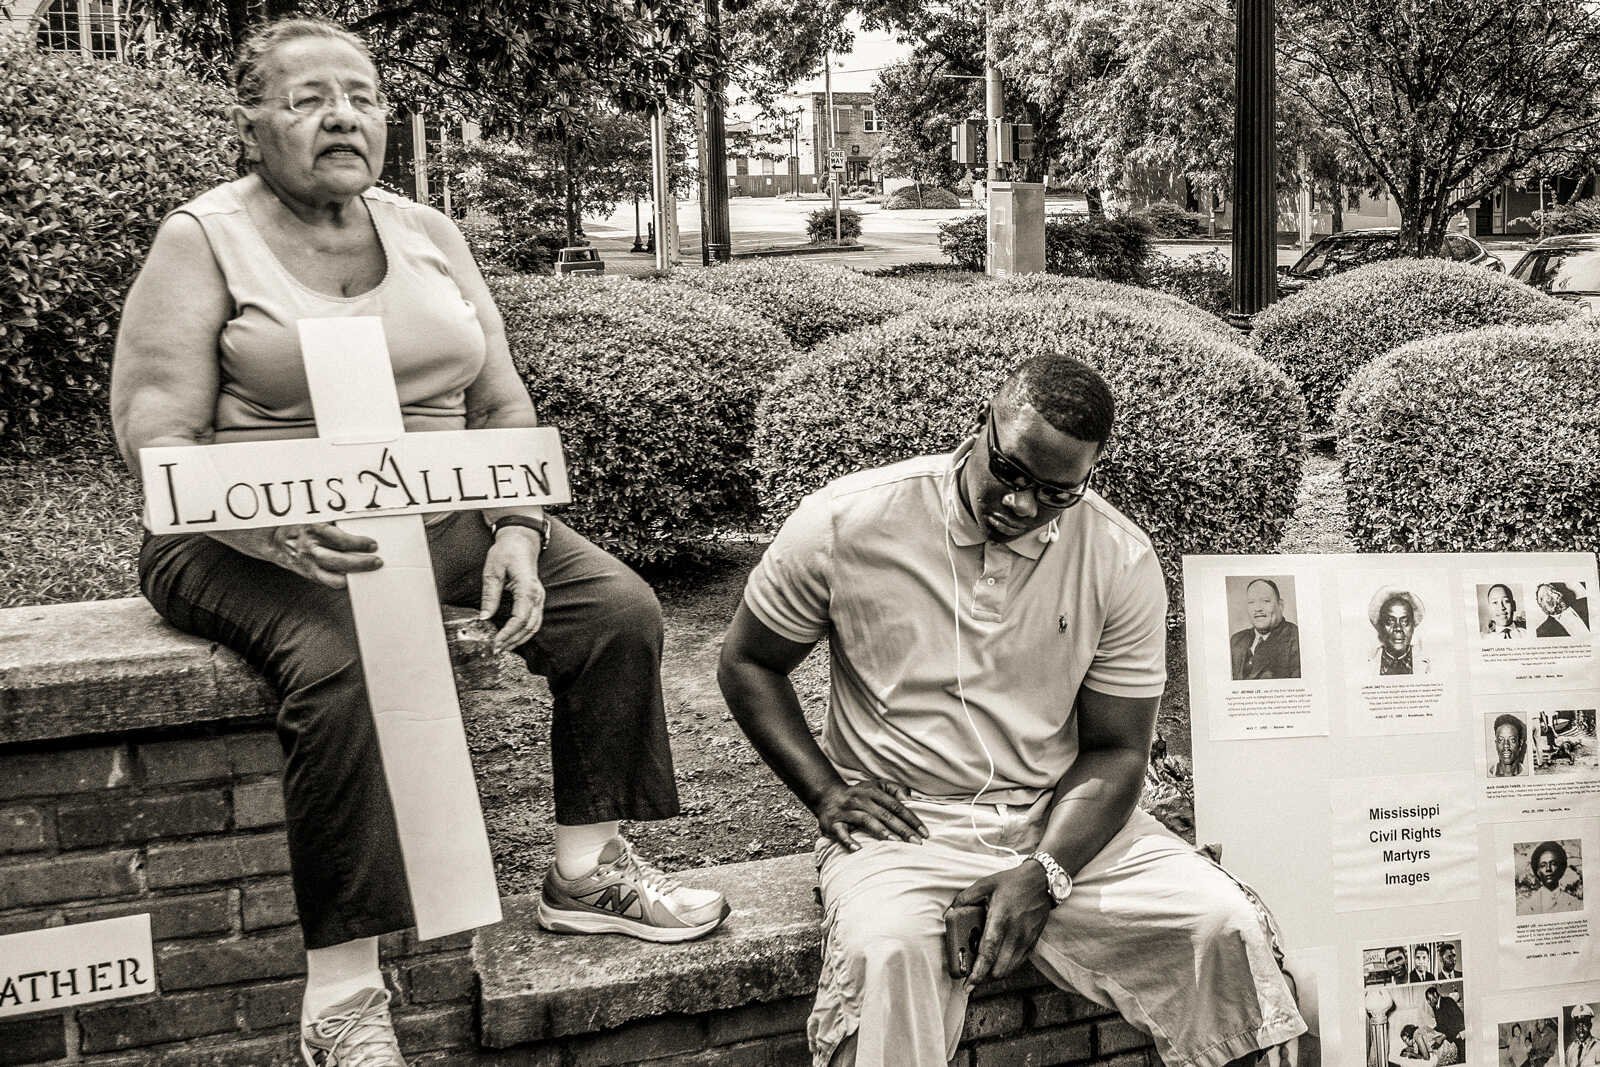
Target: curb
{"type": "Point", "coordinates": [798, 250]}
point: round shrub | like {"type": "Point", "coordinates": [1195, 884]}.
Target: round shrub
{"type": "Point", "coordinates": [923, 197]}
{"type": "Point", "coordinates": [1170, 220]}
{"type": "Point", "coordinates": [1204, 279]}
{"type": "Point", "coordinates": [1206, 454]}
{"type": "Point", "coordinates": [96, 155]}
{"type": "Point", "coordinates": [654, 389]}
{"type": "Point", "coordinates": [1323, 334]}
{"type": "Point", "coordinates": [819, 225]}
{"type": "Point", "coordinates": [807, 301]}
{"type": "Point", "coordinates": [1479, 441]}
{"type": "Point", "coordinates": [1069, 294]}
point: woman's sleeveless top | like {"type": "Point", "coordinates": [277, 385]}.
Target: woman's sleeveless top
{"type": "Point", "coordinates": [435, 342]}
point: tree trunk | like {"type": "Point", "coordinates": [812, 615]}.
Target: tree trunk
{"type": "Point", "coordinates": [572, 189]}
{"type": "Point", "coordinates": [1338, 207]}
{"type": "Point", "coordinates": [1097, 207]}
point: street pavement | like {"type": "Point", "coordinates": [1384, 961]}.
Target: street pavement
{"type": "Point", "coordinates": [888, 238]}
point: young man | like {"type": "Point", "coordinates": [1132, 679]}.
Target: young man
{"type": "Point", "coordinates": [997, 634]}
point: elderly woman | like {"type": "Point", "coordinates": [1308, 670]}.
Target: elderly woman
{"type": "Point", "coordinates": [208, 352]}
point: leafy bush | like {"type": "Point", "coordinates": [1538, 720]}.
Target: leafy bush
{"type": "Point", "coordinates": [1323, 334]}
{"type": "Point", "coordinates": [654, 388]}
{"type": "Point", "coordinates": [1204, 279]}
{"type": "Point", "coordinates": [921, 196]}
{"type": "Point", "coordinates": [1072, 294]}
{"type": "Point", "coordinates": [1580, 216]}
{"type": "Point", "coordinates": [1110, 249]}
{"type": "Point", "coordinates": [1169, 220]}
{"type": "Point", "coordinates": [1480, 441]}
{"type": "Point", "coordinates": [1206, 454]}
{"type": "Point", "coordinates": [819, 225]}
{"type": "Point", "coordinates": [930, 280]}
{"type": "Point", "coordinates": [499, 251]}
{"type": "Point", "coordinates": [807, 301]}
{"type": "Point", "coordinates": [96, 155]}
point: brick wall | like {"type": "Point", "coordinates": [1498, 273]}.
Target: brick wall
{"type": "Point", "coordinates": [139, 773]}
{"type": "Point", "coordinates": [187, 826]}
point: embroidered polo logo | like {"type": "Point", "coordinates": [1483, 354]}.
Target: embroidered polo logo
{"type": "Point", "coordinates": [1061, 624]}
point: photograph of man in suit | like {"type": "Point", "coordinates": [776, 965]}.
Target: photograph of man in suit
{"type": "Point", "coordinates": [1566, 612]}
{"type": "Point", "coordinates": [1421, 965]}
{"type": "Point", "coordinates": [1270, 646]}
{"type": "Point", "coordinates": [1503, 620]}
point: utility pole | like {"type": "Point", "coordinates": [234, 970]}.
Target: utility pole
{"type": "Point", "coordinates": [714, 225]}
{"type": "Point", "coordinates": [833, 175]}
{"type": "Point", "coordinates": [1255, 221]}
{"type": "Point", "coordinates": [994, 100]}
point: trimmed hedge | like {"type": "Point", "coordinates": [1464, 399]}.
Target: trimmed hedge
{"type": "Point", "coordinates": [654, 389]}
{"type": "Point", "coordinates": [1115, 250]}
{"type": "Point", "coordinates": [95, 155]}
{"type": "Point", "coordinates": [809, 302]}
{"type": "Point", "coordinates": [1171, 220]}
{"type": "Point", "coordinates": [911, 197]}
{"type": "Point", "coordinates": [1323, 334]}
{"type": "Point", "coordinates": [1483, 442]}
{"type": "Point", "coordinates": [1204, 279]}
{"type": "Point", "coordinates": [1070, 294]}
{"type": "Point", "coordinates": [1207, 451]}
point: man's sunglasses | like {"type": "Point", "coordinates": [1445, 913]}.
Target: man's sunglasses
{"type": "Point", "coordinates": [1015, 476]}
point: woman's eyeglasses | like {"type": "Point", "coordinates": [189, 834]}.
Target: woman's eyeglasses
{"type": "Point", "coordinates": [307, 102]}
{"type": "Point", "coordinates": [1015, 476]}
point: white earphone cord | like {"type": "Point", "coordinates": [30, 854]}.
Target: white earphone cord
{"type": "Point", "coordinates": [961, 693]}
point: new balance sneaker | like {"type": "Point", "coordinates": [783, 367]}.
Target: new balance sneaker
{"type": "Point", "coordinates": [625, 895]}
{"type": "Point", "coordinates": [356, 1032]}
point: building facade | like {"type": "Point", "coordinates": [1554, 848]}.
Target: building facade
{"type": "Point", "coordinates": [790, 154]}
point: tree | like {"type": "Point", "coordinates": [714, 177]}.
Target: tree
{"type": "Point", "coordinates": [1445, 100]}
{"type": "Point", "coordinates": [512, 64]}
{"type": "Point", "coordinates": [916, 106]}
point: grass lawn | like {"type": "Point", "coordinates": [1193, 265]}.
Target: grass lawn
{"type": "Point", "coordinates": [72, 533]}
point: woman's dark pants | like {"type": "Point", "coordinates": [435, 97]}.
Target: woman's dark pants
{"type": "Point", "coordinates": [599, 646]}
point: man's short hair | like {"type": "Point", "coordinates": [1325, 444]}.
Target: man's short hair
{"type": "Point", "coordinates": [1067, 393]}
{"type": "Point", "coordinates": [1500, 585]}
{"type": "Point", "coordinates": [1509, 719]}
{"type": "Point", "coordinates": [1270, 584]}
{"type": "Point", "coordinates": [1431, 991]}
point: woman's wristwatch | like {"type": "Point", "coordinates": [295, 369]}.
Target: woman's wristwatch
{"type": "Point", "coordinates": [1058, 881]}
{"type": "Point", "coordinates": [540, 524]}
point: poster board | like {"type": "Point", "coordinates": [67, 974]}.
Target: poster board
{"type": "Point", "coordinates": [1408, 773]}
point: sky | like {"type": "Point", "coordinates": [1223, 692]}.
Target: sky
{"type": "Point", "coordinates": [854, 72]}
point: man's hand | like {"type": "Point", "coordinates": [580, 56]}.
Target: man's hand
{"type": "Point", "coordinates": [1019, 905]}
{"type": "Point", "coordinates": [873, 807]}
{"type": "Point", "coordinates": [513, 563]}
{"type": "Point", "coordinates": [320, 551]}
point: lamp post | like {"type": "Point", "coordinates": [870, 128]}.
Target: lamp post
{"type": "Point", "coordinates": [715, 224]}
{"type": "Point", "coordinates": [1255, 223]}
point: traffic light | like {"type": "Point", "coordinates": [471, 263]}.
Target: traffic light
{"type": "Point", "coordinates": [964, 138]}
{"type": "Point", "coordinates": [1002, 141]}
{"type": "Point", "coordinates": [1022, 141]}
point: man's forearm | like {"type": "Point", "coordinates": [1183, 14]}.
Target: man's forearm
{"type": "Point", "coordinates": [1092, 802]}
{"type": "Point", "coordinates": [767, 709]}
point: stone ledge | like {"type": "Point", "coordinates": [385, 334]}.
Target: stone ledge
{"type": "Point", "coordinates": [536, 985]}
{"type": "Point", "coordinates": [110, 666]}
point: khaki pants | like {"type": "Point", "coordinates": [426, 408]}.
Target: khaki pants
{"type": "Point", "coordinates": [1153, 929]}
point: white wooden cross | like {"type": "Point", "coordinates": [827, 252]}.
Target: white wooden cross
{"type": "Point", "coordinates": [365, 472]}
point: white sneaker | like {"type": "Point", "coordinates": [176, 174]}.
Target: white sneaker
{"type": "Point", "coordinates": [625, 895]}
{"type": "Point", "coordinates": [356, 1032]}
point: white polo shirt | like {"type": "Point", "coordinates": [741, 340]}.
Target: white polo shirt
{"type": "Point", "coordinates": [867, 562]}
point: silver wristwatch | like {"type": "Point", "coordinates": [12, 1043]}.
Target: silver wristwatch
{"type": "Point", "coordinates": [1058, 880]}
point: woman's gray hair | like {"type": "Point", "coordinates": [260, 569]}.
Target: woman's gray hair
{"type": "Point", "coordinates": [248, 73]}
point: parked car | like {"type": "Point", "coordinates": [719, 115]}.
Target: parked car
{"type": "Point", "coordinates": [1339, 252]}
{"type": "Point", "coordinates": [1566, 267]}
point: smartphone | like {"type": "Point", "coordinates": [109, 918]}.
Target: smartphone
{"type": "Point", "coordinates": [963, 931]}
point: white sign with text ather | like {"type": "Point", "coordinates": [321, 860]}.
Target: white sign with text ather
{"type": "Point", "coordinates": [64, 966]}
